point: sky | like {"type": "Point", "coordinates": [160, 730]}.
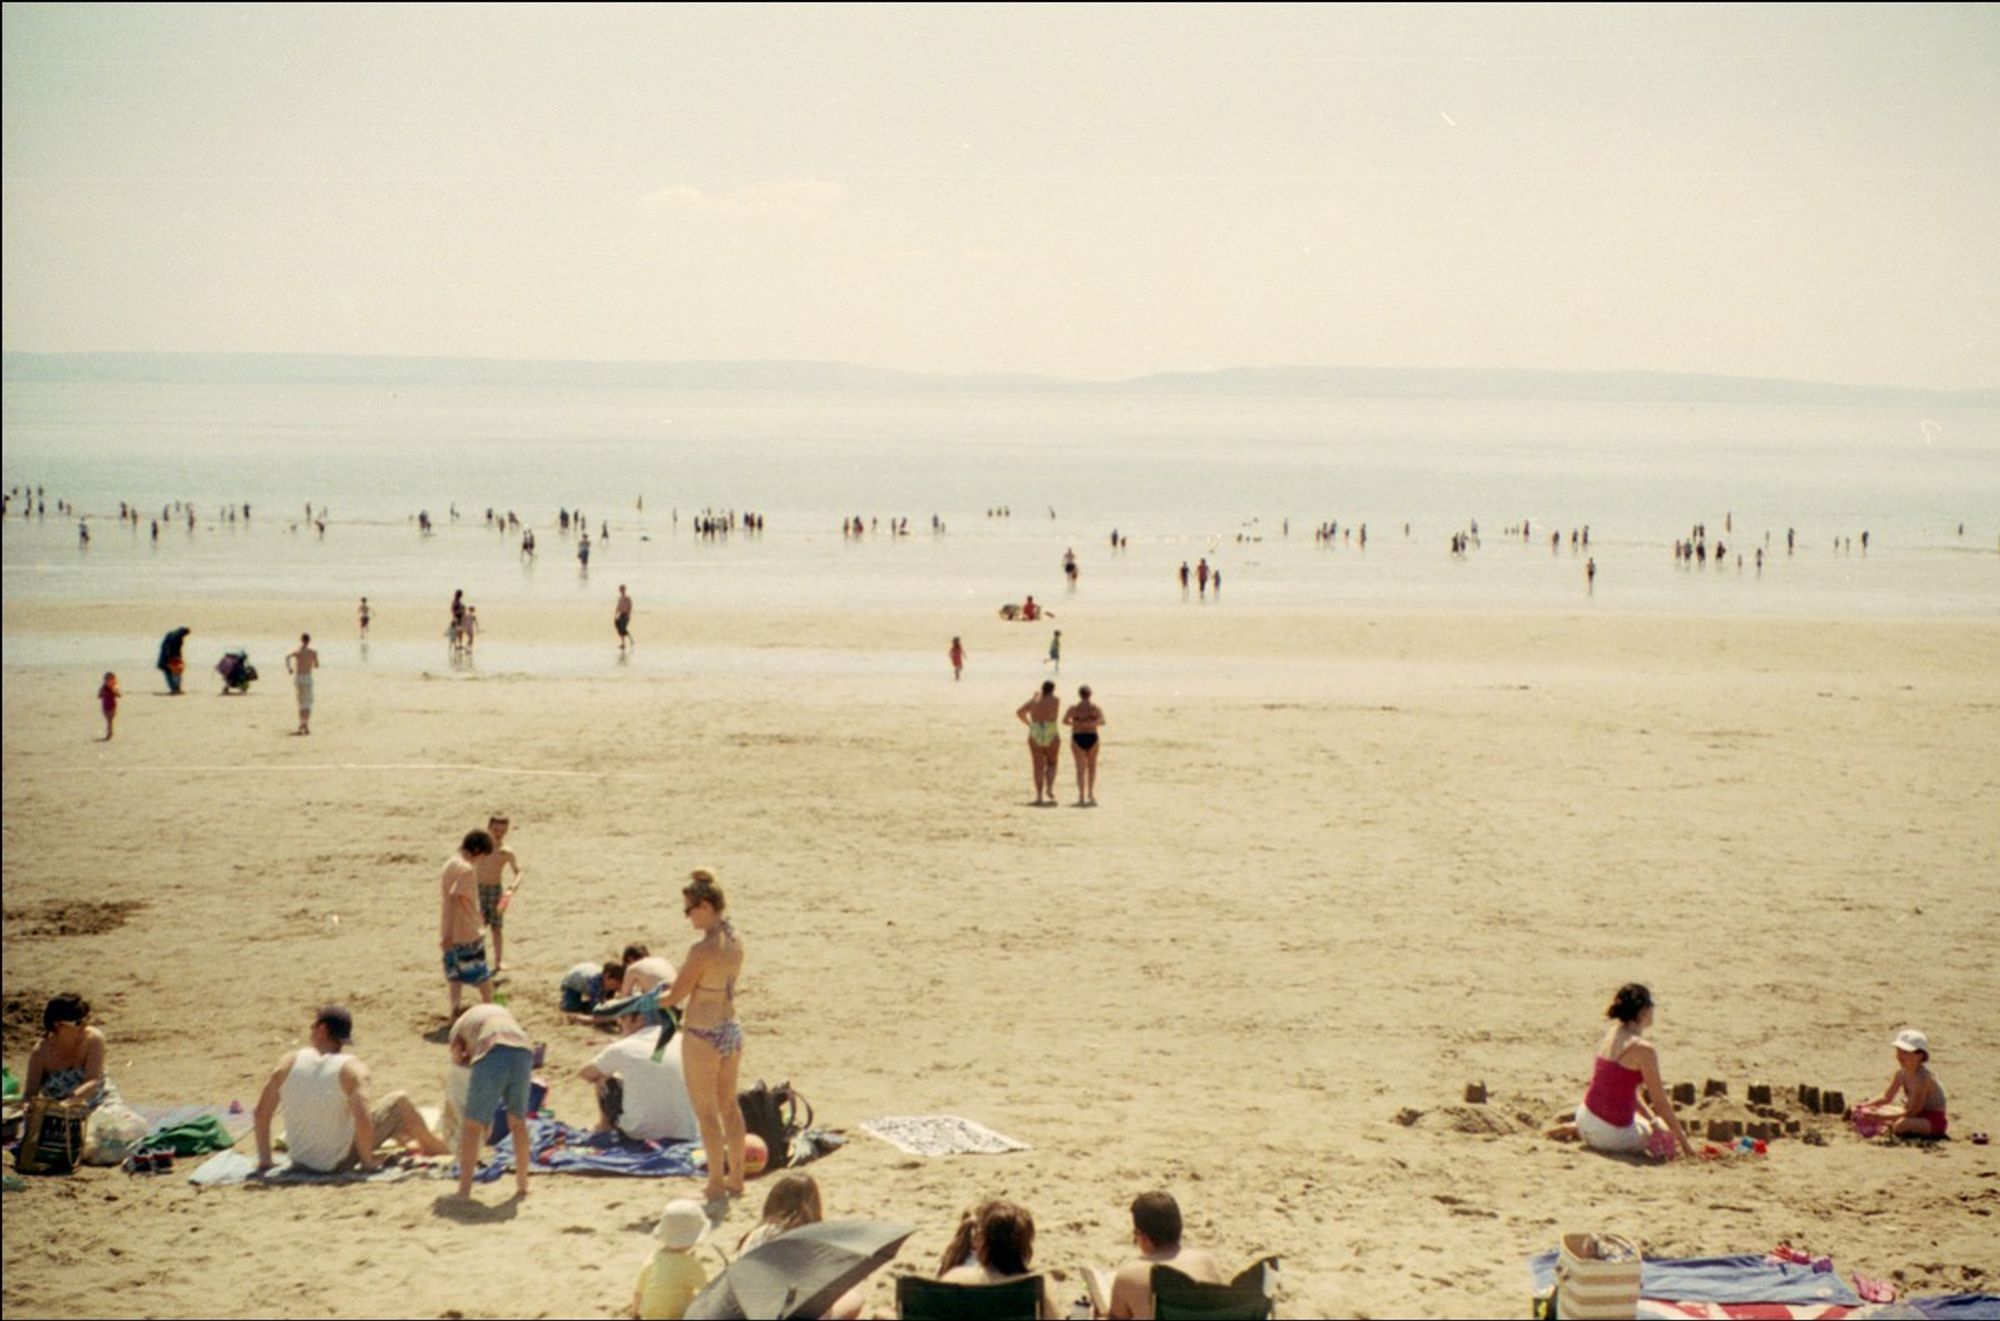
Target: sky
{"type": "Point", "coordinates": [1800, 191]}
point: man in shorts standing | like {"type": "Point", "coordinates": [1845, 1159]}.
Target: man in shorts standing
{"type": "Point", "coordinates": [458, 926]}
{"type": "Point", "coordinates": [300, 665]}
{"type": "Point", "coordinates": [493, 895]}
{"type": "Point", "coordinates": [621, 618]}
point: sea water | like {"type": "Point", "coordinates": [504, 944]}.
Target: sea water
{"type": "Point", "coordinates": [1240, 481]}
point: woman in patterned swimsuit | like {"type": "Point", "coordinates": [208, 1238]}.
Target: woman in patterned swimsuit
{"type": "Point", "coordinates": [712, 1056]}
{"type": "Point", "coordinates": [68, 1062]}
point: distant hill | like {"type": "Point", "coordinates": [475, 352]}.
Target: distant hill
{"type": "Point", "coordinates": [785, 376]}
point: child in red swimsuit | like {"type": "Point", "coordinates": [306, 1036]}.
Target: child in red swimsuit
{"type": "Point", "coordinates": [107, 701]}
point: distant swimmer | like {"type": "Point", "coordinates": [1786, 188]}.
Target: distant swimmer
{"type": "Point", "coordinates": [300, 665]}
{"type": "Point", "coordinates": [1084, 720]}
{"type": "Point", "coordinates": [1590, 574]}
{"type": "Point", "coordinates": [1039, 714]}
{"type": "Point", "coordinates": [621, 619]}
{"type": "Point", "coordinates": [1055, 651]}
{"type": "Point", "coordinates": [366, 617]}
{"type": "Point", "coordinates": [583, 552]}
{"type": "Point", "coordinates": [1184, 579]}
{"type": "Point", "coordinates": [957, 660]}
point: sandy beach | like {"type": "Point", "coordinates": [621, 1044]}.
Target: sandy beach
{"type": "Point", "coordinates": [1346, 863]}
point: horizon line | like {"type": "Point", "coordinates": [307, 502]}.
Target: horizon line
{"type": "Point", "coordinates": [1243, 373]}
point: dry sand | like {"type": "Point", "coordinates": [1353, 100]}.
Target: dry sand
{"type": "Point", "coordinates": [1344, 864]}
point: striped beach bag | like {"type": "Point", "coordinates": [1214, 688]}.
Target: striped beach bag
{"type": "Point", "coordinates": [1597, 1278]}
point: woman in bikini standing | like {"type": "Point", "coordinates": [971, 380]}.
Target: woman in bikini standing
{"type": "Point", "coordinates": [712, 1055]}
{"type": "Point", "coordinates": [1084, 720]}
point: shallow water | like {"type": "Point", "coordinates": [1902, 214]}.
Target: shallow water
{"type": "Point", "coordinates": [1182, 476]}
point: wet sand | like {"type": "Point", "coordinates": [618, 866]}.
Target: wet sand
{"type": "Point", "coordinates": [1345, 863]}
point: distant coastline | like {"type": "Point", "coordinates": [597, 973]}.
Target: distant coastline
{"type": "Point", "coordinates": [787, 376]}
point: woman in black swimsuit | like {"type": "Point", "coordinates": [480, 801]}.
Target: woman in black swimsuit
{"type": "Point", "coordinates": [1084, 720]}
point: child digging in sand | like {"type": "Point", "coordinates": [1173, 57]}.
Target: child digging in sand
{"type": "Point", "coordinates": [1922, 1114]}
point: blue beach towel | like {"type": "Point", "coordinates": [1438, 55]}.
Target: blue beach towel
{"type": "Point", "coordinates": [1743, 1279]}
{"type": "Point", "coordinates": [1958, 1307]}
{"type": "Point", "coordinates": [556, 1148]}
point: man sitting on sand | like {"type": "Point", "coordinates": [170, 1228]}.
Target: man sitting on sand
{"type": "Point", "coordinates": [651, 1101]}
{"type": "Point", "coordinates": [1156, 1231]}
{"type": "Point", "coordinates": [329, 1124]}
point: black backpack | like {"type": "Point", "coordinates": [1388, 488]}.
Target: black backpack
{"type": "Point", "coordinates": [772, 1113]}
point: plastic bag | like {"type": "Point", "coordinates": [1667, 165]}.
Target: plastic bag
{"type": "Point", "coordinates": [112, 1133]}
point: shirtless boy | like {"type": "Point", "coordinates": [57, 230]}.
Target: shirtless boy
{"type": "Point", "coordinates": [492, 896]}
{"type": "Point", "coordinates": [300, 665]}
{"type": "Point", "coordinates": [621, 619]}
{"type": "Point", "coordinates": [1039, 714]}
{"type": "Point", "coordinates": [458, 923]}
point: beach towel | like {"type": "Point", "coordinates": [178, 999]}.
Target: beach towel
{"type": "Point", "coordinates": [556, 1148]}
{"type": "Point", "coordinates": [1956, 1307]}
{"type": "Point", "coordinates": [1730, 1282]}
{"type": "Point", "coordinates": [230, 1169]}
{"type": "Point", "coordinates": [191, 1130]}
{"type": "Point", "coordinates": [940, 1135]}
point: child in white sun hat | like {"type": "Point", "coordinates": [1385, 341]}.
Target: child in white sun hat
{"type": "Point", "coordinates": [1922, 1113]}
{"type": "Point", "coordinates": [674, 1276]}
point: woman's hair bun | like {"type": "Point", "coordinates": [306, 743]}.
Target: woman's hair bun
{"type": "Point", "coordinates": [1631, 1001]}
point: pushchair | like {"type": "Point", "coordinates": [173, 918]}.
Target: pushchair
{"type": "Point", "coordinates": [237, 672]}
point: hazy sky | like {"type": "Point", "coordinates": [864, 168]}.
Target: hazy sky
{"type": "Point", "coordinates": [1787, 191]}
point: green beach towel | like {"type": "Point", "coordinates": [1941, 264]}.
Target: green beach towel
{"type": "Point", "coordinates": [195, 1137]}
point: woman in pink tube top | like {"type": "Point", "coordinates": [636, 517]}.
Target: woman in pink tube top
{"type": "Point", "coordinates": [1614, 1116]}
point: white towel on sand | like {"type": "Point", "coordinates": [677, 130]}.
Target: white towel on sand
{"type": "Point", "coordinates": [940, 1135]}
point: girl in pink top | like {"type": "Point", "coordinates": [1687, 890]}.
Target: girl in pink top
{"type": "Point", "coordinates": [1614, 1116]}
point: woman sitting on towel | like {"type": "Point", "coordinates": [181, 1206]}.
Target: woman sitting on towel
{"type": "Point", "coordinates": [67, 1064]}
{"type": "Point", "coordinates": [1003, 1245]}
{"type": "Point", "coordinates": [1613, 1116]}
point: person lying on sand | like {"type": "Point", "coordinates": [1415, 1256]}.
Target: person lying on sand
{"type": "Point", "coordinates": [330, 1125]}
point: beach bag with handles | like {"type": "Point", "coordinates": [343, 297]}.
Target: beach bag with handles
{"type": "Point", "coordinates": [52, 1137]}
{"type": "Point", "coordinates": [1597, 1278]}
{"type": "Point", "coordinates": [772, 1113]}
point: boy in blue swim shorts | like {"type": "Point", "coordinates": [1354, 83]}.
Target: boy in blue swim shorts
{"type": "Point", "coordinates": [459, 934]}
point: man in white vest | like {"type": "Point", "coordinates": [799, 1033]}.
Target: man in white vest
{"type": "Point", "coordinates": [329, 1124]}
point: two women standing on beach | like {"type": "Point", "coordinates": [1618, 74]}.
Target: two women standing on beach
{"type": "Point", "coordinates": [1084, 719]}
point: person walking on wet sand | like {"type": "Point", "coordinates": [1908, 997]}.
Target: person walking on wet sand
{"type": "Point", "coordinates": [957, 660]}
{"type": "Point", "coordinates": [621, 619]}
{"type": "Point", "coordinates": [1084, 720]}
{"type": "Point", "coordinates": [1055, 651]}
{"type": "Point", "coordinates": [1039, 714]}
{"type": "Point", "coordinates": [107, 702]}
{"type": "Point", "coordinates": [300, 665]}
